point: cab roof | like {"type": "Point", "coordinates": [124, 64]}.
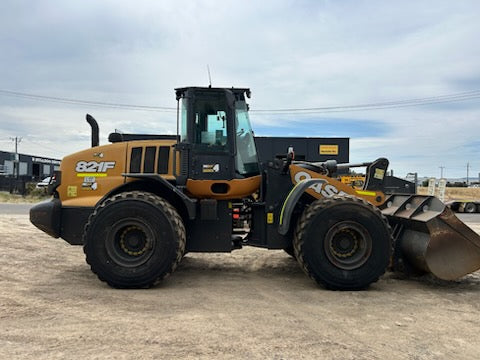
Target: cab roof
{"type": "Point", "coordinates": [182, 90]}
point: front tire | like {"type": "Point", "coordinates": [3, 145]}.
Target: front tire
{"type": "Point", "coordinates": [134, 240]}
{"type": "Point", "coordinates": [343, 243]}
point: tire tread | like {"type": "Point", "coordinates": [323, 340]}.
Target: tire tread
{"type": "Point", "coordinates": [178, 228]}
{"type": "Point", "coordinates": [307, 216]}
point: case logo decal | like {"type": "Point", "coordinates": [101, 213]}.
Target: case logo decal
{"type": "Point", "coordinates": [325, 189]}
{"type": "Point", "coordinates": [213, 168]}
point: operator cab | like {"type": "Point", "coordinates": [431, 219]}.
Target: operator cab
{"type": "Point", "coordinates": [218, 157]}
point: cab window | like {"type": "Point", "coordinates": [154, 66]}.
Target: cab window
{"type": "Point", "coordinates": [213, 129]}
{"type": "Point", "coordinates": [211, 124]}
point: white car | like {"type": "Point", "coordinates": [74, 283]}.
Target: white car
{"type": "Point", "coordinates": [44, 183]}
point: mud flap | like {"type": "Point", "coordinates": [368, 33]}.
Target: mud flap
{"type": "Point", "coordinates": [430, 238]}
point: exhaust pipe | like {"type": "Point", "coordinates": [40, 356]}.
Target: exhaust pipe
{"type": "Point", "coordinates": [94, 125]}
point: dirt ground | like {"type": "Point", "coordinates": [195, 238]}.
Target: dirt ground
{"type": "Point", "coordinates": [251, 304]}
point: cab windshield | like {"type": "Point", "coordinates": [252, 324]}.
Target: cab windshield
{"type": "Point", "coordinates": [246, 160]}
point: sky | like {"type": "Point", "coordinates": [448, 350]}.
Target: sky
{"type": "Point", "coordinates": [291, 54]}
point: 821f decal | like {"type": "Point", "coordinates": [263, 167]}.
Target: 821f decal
{"type": "Point", "coordinates": [94, 166]}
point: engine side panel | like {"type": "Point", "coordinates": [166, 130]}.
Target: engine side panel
{"type": "Point", "coordinates": [89, 175]}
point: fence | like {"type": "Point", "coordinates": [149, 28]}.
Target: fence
{"type": "Point", "coordinates": [13, 185]}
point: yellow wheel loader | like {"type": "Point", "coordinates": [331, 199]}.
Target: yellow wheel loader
{"type": "Point", "coordinates": [139, 204]}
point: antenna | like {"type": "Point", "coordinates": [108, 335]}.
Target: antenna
{"type": "Point", "coordinates": [209, 77]}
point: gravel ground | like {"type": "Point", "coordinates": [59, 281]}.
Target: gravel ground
{"type": "Point", "coordinates": [250, 304]}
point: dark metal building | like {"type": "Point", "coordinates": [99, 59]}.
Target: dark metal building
{"type": "Point", "coordinates": [308, 149]}
{"type": "Point", "coordinates": [26, 167]}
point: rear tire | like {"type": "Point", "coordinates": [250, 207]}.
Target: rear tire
{"type": "Point", "coordinates": [133, 240]}
{"type": "Point", "coordinates": [343, 243]}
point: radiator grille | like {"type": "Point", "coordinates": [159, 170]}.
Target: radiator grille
{"type": "Point", "coordinates": [163, 159]}
{"type": "Point", "coordinates": [149, 162]}
{"type": "Point", "coordinates": [153, 155]}
{"type": "Point", "coordinates": [184, 164]}
{"type": "Point", "coordinates": [136, 160]}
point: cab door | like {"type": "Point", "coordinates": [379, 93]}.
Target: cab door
{"type": "Point", "coordinates": [208, 151]}
{"type": "Point", "coordinates": [212, 151]}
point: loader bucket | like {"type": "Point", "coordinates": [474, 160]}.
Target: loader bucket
{"type": "Point", "coordinates": [428, 237]}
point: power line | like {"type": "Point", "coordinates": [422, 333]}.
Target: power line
{"type": "Point", "coordinates": [395, 102]}
{"type": "Point", "coordinates": [85, 102]}
{"type": "Point", "coordinates": [438, 99]}
{"type": "Point", "coordinates": [356, 110]}
{"type": "Point", "coordinates": [469, 95]}
{"type": "Point", "coordinates": [42, 145]}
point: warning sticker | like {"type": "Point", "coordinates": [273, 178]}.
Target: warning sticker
{"type": "Point", "coordinates": [328, 150]}
{"type": "Point", "coordinates": [379, 174]}
{"type": "Point", "coordinates": [270, 218]}
{"type": "Point", "coordinates": [71, 191]}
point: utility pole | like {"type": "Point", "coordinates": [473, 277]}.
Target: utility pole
{"type": "Point", "coordinates": [16, 166]}
{"type": "Point", "coordinates": [441, 171]}
{"type": "Point", "coordinates": [17, 140]}
{"type": "Point", "coordinates": [468, 168]}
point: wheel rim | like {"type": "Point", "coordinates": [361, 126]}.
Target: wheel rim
{"type": "Point", "coordinates": [348, 245]}
{"type": "Point", "coordinates": [470, 208]}
{"type": "Point", "coordinates": [130, 243]}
